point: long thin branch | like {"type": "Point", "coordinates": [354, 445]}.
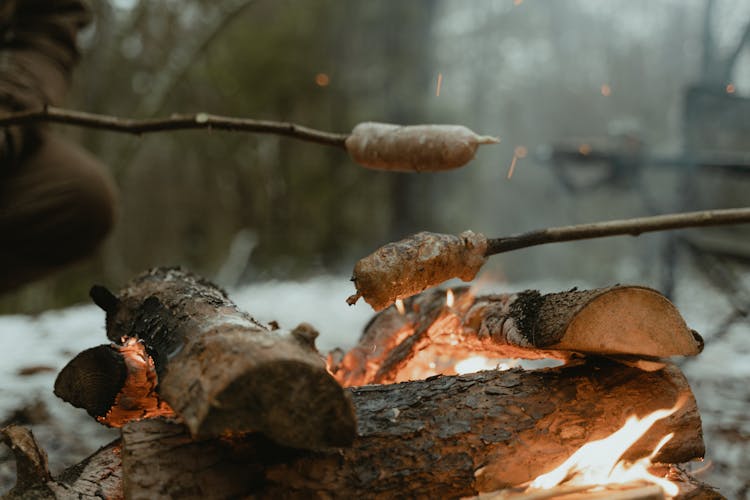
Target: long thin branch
{"type": "Point", "coordinates": [174, 122]}
{"type": "Point", "coordinates": [633, 227]}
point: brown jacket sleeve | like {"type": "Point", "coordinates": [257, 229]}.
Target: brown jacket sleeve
{"type": "Point", "coordinates": [37, 54]}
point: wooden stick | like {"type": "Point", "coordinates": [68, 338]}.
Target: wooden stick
{"type": "Point", "coordinates": [403, 268]}
{"type": "Point", "coordinates": [633, 227]}
{"type": "Point", "coordinates": [174, 122]}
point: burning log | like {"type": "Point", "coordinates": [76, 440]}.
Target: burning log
{"type": "Point", "coordinates": [444, 437]}
{"type": "Point", "coordinates": [401, 269]}
{"type": "Point", "coordinates": [98, 476]}
{"type": "Point", "coordinates": [632, 323]}
{"type": "Point", "coordinates": [217, 368]}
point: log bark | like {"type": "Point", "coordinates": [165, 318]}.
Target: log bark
{"type": "Point", "coordinates": [220, 370]}
{"type": "Point", "coordinates": [631, 323]}
{"type": "Point", "coordinates": [96, 477]}
{"type": "Point", "coordinates": [444, 437]}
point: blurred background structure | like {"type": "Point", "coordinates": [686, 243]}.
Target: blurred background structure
{"type": "Point", "coordinates": [647, 86]}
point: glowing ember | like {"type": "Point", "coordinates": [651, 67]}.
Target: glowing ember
{"type": "Point", "coordinates": [400, 307]}
{"type": "Point", "coordinates": [584, 149]}
{"type": "Point", "coordinates": [439, 83]}
{"type": "Point", "coordinates": [450, 299]}
{"type": "Point", "coordinates": [137, 398]}
{"type": "Point", "coordinates": [598, 463]}
{"type": "Point", "coordinates": [730, 88]}
{"type": "Point", "coordinates": [512, 166]}
{"type": "Point", "coordinates": [322, 80]}
{"type": "Point", "coordinates": [520, 151]}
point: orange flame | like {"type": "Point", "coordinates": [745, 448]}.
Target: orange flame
{"type": "Point", "coordinates": [599, 463]}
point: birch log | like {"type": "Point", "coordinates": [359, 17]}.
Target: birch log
{"type": "Point", "coordinates": [220, 370]}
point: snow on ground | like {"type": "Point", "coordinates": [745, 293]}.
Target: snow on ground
{"type": "Point", "coordinates": [44, 343]}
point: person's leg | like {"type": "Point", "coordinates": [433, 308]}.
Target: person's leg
{"type": "Point", "coordinates": [56, 201]}
{"type": "Point", "coordinates": [54, 210]}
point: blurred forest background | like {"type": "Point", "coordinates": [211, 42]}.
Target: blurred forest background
{"type": "Point", "coordinates": [610, 75]}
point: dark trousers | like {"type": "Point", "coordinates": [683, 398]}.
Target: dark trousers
{"type": "Point", "coordinates": [54, 209]}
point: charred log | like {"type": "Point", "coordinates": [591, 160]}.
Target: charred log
{"type": "Point", "coordinates": [220, 370]}
{"type": "Point", "coordinates": [444, 437]}
{"type": "Point", "coordinates": [631, 323]}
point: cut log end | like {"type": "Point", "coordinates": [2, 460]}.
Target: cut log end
{"type": "Point", "coordinates": [630, 320]}
{"type": "Point", "coordinates": [93, 379]}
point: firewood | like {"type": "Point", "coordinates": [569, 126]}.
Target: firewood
{"type": "Point", "coordinates": [98, 476]}
{"type": "Point", "coordinates": [444, 437]}
{"type": "Point", "coordinates": [220, 370]}
{"type": "Point", "coordinates": [399, 270]}
{"type": "Point", "coordinates": [627, 322]}
{"type": "Point", "coordinates": [414, 148]}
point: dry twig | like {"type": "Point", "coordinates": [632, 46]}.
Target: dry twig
{"type": "Point", "coordinates": [633, 227]}
{"type": "Point", "coordinates": [174, 122]}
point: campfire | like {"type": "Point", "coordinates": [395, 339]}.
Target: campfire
{"type": "Point", "coordinates": [448, 394]}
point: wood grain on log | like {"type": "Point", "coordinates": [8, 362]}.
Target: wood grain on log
{"type": "Point", "coordinates": [93, 379]}
{"type": "Point", "coordinates": [220, 370]}
{"type": "Point", "coordinates": [631, 322]}
{"type": "Point", "coordinates": [443, 437]}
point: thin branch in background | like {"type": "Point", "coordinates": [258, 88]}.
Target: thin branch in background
{"type": "Point", "coordinates": [172, 123]}
{"type": "Point", "coordinates": [633, 227]}
{"type": "Point", "coordinates": [185, 55]}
